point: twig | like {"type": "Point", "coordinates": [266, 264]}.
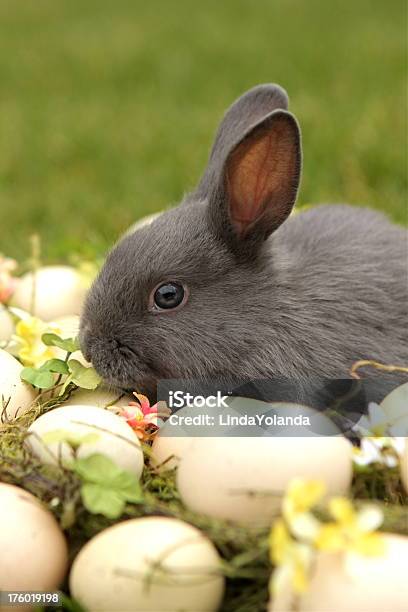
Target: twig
{"type": "Point", "coordinates": [375, 364]}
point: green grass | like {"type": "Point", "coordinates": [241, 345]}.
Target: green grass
{"type": "Point", "coordinates": [107, 109]}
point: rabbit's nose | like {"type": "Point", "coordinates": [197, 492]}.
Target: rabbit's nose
{"type": "Point", "coordinates": [93, 346]}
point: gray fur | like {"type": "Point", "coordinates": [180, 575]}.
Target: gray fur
{"type": "Point", "coordinates": [325, 289]}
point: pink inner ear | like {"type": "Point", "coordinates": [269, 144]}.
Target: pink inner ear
{"type": "Point", "coordinates": [259, 177]}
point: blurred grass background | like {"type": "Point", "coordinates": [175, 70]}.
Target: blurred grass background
{"type": "Point", "coordinates": [108, 109]}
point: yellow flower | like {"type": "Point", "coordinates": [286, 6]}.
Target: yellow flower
{"type": "Point", "coordinates": [301, 497]}
{"type": "Point", "coordinates": [291, 558]}
{"type": "Point", "coordinates": [28, 344]}
{"type": "Point", "coordinates": [279, 542]}
{"type": "Point", "coordinates": [296, 537]}
{"type": "Point", "coordinates": [351, 531]}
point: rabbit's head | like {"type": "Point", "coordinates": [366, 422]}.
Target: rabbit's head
{"type": "Point", "coordinates": [185, 296]}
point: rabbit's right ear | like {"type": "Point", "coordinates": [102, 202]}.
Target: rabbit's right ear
{"type": "Point", "coordinates": [246, 112]}
{"type": "Point", "coordinates": [253, 174]}
{"type": "Point", "coordinates": [257, 185]}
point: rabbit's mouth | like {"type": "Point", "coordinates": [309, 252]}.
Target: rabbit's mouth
{"type": "Point", "coordinates": [123, 373]}
{"type": "Point", "coordinates": [129, 380]}
{"type": "Point", "coordinates": [120, 365]}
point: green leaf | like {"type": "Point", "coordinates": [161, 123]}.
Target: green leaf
{"type": "Point", "coordinates": [133, 494]}
{"type": "Point", "coordinates": [99, 500]}
{"type": "Point", "coordinates": [106, 487]}
{"type": "Point", "coordinates": [75, 440]}
{"type": "Point", "coordinates": [123, 480]}
{"type": "Point", "coordinates": [38, 378]}
{"type": "Point", "coordinates": [82, 376]}
{"type": "Point", "coordinates": [42, 377]}
{"type": "Point", "coordinates": [97, 468]}
{"type": "Point", "coordinates": [66, 384]}
{"type": "Point", "coordinates": [55, 365]}
{"type": "Point", "coordinates": [70, 345]}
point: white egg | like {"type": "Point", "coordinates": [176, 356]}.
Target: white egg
{"type": "Point", "coordinates": [69, 325]}
{"type": "Point", "coordinates": [395, 406]}
{"type": "Point", "coordinates": [173, 441]}
{"type": "Point", "coordinates": [17, 395]}
{"type": "Point", "coordinates": [6, 325]}
{"type": "Point", "coordinates": [362, 584]}
{"type": "Point", "coordinates": [117, 569]}
{"type": "Point", "coordinates": [168, 450]}
{"type": "Point", "coordinates": [102, 397]}
{"type": "Point", "coordinates": [242, 479]}
{"type": "Point", "coordinates": [34, 552]}
{"type": "Point", "coordinates": [69, 328]}
{"type": "Point", "coordinates": [113, 436]}
{"type": "Point", "coordinates": [404, 466]}
{"type": "Point", "coordinates": [59, 291]}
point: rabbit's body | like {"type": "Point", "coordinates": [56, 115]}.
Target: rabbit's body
{"type": "Point", "coordinates": [250, 297]}
{"type": "Point", "coordinates": [347, 269]}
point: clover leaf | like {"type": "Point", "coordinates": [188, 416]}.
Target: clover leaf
{"type": "Point", "coordinates": [74, 439]}
{"type": "Point", "coordinates": [82, 376]}
{"type": "Point", "coordinates": [42, 377]}
{"type": "Point", "coordinates": [106, 487]}
{"type": "Point", "coordinates": [70, 345]}
{"type": "Point", "coordinates": [38, 378]}
{"type": "Point", "coordinates": [55, 365]}
{"type": "Point", "coordinates": [99, 500]}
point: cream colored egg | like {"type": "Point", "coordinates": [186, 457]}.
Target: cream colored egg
{"type": "Point", "coordinates": [404, 466]}
{"type": "Point", "coordinates": [17, 395]}
{"type": "Point", "coordinates": [113, 436]}
{"type": "Point", "coordinates": [34, 554]}
{"type": "Point", "coordinates": [242, 479]}
{"type": "Point", "coordinates": [116, 571]}
{"type": "Point", "coordinates": [59, 291]}
{"type": "Point", "coordinates": [174, 440]}
{"type": "Point", "coordinates": [168, 450]}
{"type": "Point", "coordinates": [102, 397]}
{"type": "Point", "coordinates": [362, 584]}
{"type": "Point", "coordinates": [395, 406]}
{"type": "Point", "coordinates": [69, 325]}
{"type": "Point", "coordinates": [69, 328]}
{"type": "Point", "coordinates": [6, 325]}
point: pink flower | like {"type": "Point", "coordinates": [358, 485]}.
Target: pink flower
{"type": "Point", "coordinates": [7, 281]}
{"type": "Point", "coordinates": [142, 417]}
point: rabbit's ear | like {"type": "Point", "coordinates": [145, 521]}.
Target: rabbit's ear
{"type": "Point", "coordinates": [258, 183]}
{"type": "Point", "coordinates": [244, 113]}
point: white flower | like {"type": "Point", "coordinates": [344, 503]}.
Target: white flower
{"type": "Point", "coordinates": [377, 423]}
{"type": "Point", "coordinates": [383, 450]}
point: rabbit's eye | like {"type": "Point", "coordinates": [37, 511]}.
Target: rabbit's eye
{"type": "Point", "coordinates": [168, 296]}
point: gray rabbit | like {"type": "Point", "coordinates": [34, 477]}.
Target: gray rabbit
{"type": "Point", "coordinates": [226, 286]}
